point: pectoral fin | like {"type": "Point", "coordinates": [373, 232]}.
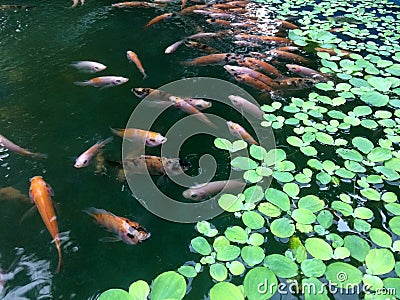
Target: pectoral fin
{"type": "Point", "coordinates": [109, 239]}
{"type": "Point", "coordinates": [28, 213]}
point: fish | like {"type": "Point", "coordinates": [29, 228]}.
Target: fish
{"type": "Point", "coordinates": [132, 57]}
{"type": "Point", "coordinates": [151, 94]}
{"type": "Point", "coordinates": [286, 24]}
{"type": "Point", "coordinates": [220, 20]}
{"type": "Point", "coordinates": [128, 231]}
{"type": "Point", "coordinates": [306, 72]}
{"type": "Point", "coordinates": [6, 143]}
{"type": "Point", "coordinates": [256, 64]}
{"type": "Point", "coordinates": [233, 70]}
{"type": "Point", "coordinates": [203, 191]}
{"type": "Point", "coordinates": [247, 44]}
{"type": "Point", "coordinates": [211, 59]}
{"type": "Point", "coordinates": [103, 81]}
{"type": "Point", "coordinates": [202, 35]}
{"type": "Point", "coordinates": [200, 104]}
{"type": "Point", "coordinates": [12, 194]}
{"type": "Point", "coordinates": [141, 4]}
{"type": "Point", "coordinates": [246, 106]}
{"type": "Point", "coordinates": [83, 160]}
{"type": "Point", "coordinates": [190, 9]}
{"type": "Point", "coordinates": [333, 51]}
{"type": "Point", "coordinates": [155, 165]}
{"type": "Point", "coordinates": [187, 108]}
{"type": "Point", "coordinates": [151, 139]}
{"type": "Point", "coordinates": [288, 56]}
{"type": "Point", "coordinates": [158, 19]}
{"type": "Point", "coordinates": [253, 82]}
{"type": "Point", "coordinates": [75, 3]}
{"type": "Point", "coordinates": [200, 46]}
{"type": "Point", "coordinates": [40, 193]}
{"type": "Point", "coordinates": [100, 164]}
{"type": "Point", "coordinates": [231, 4]}
{"type": "Point", "coordinates": [238, 131]}
{"type": "Point", "coordinates": [263, 38]}
{"type": "Point", "coordinates": [15, 6]}
{"type": "Point", "coordinates": [183, 4]}
{"type": "Point", "coordinates": [295, 83]}
{"type": "Point", "coordinates": [86, 66]}
{"type": "Point", "coordinates": [287, 48]}
{"type": "Point", "coordinates": [172, 48]}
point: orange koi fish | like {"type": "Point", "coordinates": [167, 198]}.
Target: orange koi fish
{"type": "Point", "coordinates": [128, 231]}
{"type": "Point", "coordinates": [238, 131]}
{"type": "Point", "coordinates": [17, 149]}
{"type": "Point", "coordinates": [40, 193]}
{"type": "Point", "coordinates": [212, 59]}
{"type": "Point", "coordinates": [203, 191]}
{"type": "Point", "coordinates": [132, 56]}
{"type": "Point", "coordinates": [158, 19]}
{"type": "Point", "coordinates": [260, 65]}
{"type": "Point", "coordinates": [152, 139]}
{"type": "Point", "coordinates": [103, 81]}
{"type": "Point", "coordinates": [141, 4]}
{"type": "Point", "coordinates": [84, 159]}
{"type": "Point", "coordinates": [288, 56]}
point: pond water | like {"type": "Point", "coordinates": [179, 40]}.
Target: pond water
{"type": "Point", "coordinates": [43, 110]}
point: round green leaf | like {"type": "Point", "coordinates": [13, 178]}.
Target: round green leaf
{"type": "Point", "coordinates": [269, 210]}
{"type": "Point", "coordinates": [294, 141]}
{"type": "Point", "coordinates": [227, 253]}
{"type": "Point", "coordinates": [236, 267]}
{"type": "Point", "coordinates": [206, 229]}
{"type": "Point", "coordinates": [325, 218]}
{"type": "Point", "coordinates": [342, 207]}
{"type": "Point", "coordinates": [394, 225]}
{"type": "Point", "coordinates": [187, 271]}
{"type": "Point", "coordinates": [363, 213]}
{"type": "Point", "coordinates": [252, 255]}
{"type": "Point", "coordinates": [312, 203]}
{"type": "Point", "coordinates": [218, 272]}
{"type": "Point", "coordinates": [303, 216]}
{"type": "Point", "coordinates": [253, 220]}
{"type": "Point", "coordinates": [341, 253]}
{"type": "Point", "coordinates": [243, 163]}
{"type": "Point", "coordinates": [256, 239]}
{"type": "Point", "coordinates": [282, 228]}
{"type": "Point", "coordinates": [223, 144]}
{"type": "Point", "coordinates": [318, 248]}
{"type": "Point", "coordinates": [313, 267]}
{"type": "Point", "coordinates": [225, 290]}
{"type": "Point", "coordinates": [230, 203]}
{"type": "Point", "coordinates": [200, 245]}
{"type": "Point", "coordinates": [168, 285]}
{"type": "Point", "coordinates": [380, 238]}
{"type": "Point", "coordinates": [259, 283]}
{"type": "Point", "coordinates": [253, 194]}
{"type": "Point", "coordinates": [292, 189]}
{"type": "Point", "coordinates": [343, 275]}
{"type": "Point", "coordinates": [236, 234]}
{"type": "Point", "coordinates": [281, 265]}
{"type": "Point", "coordinates": [113, 294]}
{"type": "Point", "coordinates": [379, 154]}
{"type": "Point", "coordinates": [379, 261]}
{"type": "Point", "coordinates": [371, 194]}
{"type": "Point", "coordinates": [278, 198]}
{"type": "Point", "coordinates": [363, 144]}
{"type": "Point", "coordinates": [139, 290]}
{"type": "Point", "coordinates": [357, 246]}
{"type": "Point", "coordinates": [375, 98]}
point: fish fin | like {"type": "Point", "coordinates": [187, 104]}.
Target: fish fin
{"type": "Point", "coordinates": [91, 211]}
{"type": "Point", "coordinates": [109, 239]}
{"type": "Point", "coordinates": [39, 155]}
{"type": "Point", "coordinates": [107, 140]}
{"type": "Point", "coordinates": [49, 189]}
{"type": "Point", "coordinates": [82, 83]}
{"type": "Point", "coordinates": [28, 213]}
{"type": "Point", "coordinates": [144, 76]}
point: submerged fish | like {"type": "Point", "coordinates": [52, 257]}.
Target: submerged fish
{"type": "Point", "coordinates": [241, 133]}
{"type": "Point", "coordinates": [152, 94]}
{"type": "Point", "coordinates": [128, 231]}
{"type": "Point", "coordinates": [158, 19]}
{"type": "Point", "coordinates": [288, 56]}
{"type": "Point", "coordinates": [212, 59]}
{"type": "Point", "coordinates": [88, 66]}
{"type": "Point", "coordinates": [253, 82]}
{"type": "Point", "coordinates": [141, 4]}
{"type": "Point", "coordinates": [246, 106]}
{"type": "Point", "coordinates": [6, 143]}
{"type": "Point", "coordinates": [187, 108]}
{"type": "Point", "coordinates": [103, 81]}
{"type": "Point", "coordinates": [12, 194]}
{"type": "Point", "coordinates": [100, 164]}
{"type": "Point", "coordinates": [84, 159]}
{"type": "Point", "coordinates": [151, 139]}
{"type": "Point", "coordinates": [172, 48]}
{"type": "Point", "coordinates": [295, 83]}
{"type": "Point", "coordinates": [40, 193]}
{"type": "Point", "coordinates": [203, 191]}
{"type": "Point", "coordinates": [234, 70]}
{"type": "Point", "coordinates": [200, 104]}
{"type": "Point", "coordinates": [75, 3]}
{"type": "Point", "coordinates": [155, 165]}
{"type": "Point", "coordinates": [263, 38]}
{"type": "Point", "coordinates": [256, 64]}
{"type": "Point", "coordinates": [132, 57]}
{"type": "Point", "coordinates": [306, 72]}
{"type": "Point", "coordinates": [200, 46]}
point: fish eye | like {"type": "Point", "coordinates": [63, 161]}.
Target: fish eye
{"type": "Point", "coordinates": [96, 68]}
{"type": "Point", "coordinates": [130, 235]}
{"type": "Point", "coordinates": [194, 196]}
{"type": "Point", "coordinates": [118, 80]}
{"type": "Point", "coordinates": [152, 140]}
{"type": "Point", "coordinates": [85, 161]}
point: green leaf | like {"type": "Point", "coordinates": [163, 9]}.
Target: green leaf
{"type": "Point", "coordinates": [200, 245]}
{"type": "Point", "coordinates": [238, 145]}
{"type": "Point", "coordinates": [323, 178]}
{"type": "Point", "coordinates": [394, 69]}
{"type": "Point", "coordinates": [269, 209]}
{"type": "Point", "coordinates": [363, 213]}
{"type": "Point", "coordinates": [139, 290]}
{"type": "Point", "coordinates": [371, 194]}
{"type": "Point", "coordinates": [257, 152]}
{"type": "Point", "coordinates": [314, 289]}
{"type": "Point", "coordinates": [380, 238]}
{"type": "Point", "coordinates": [303, 216]}
{"type": "Point", "coordinates": [294, 141]}
{"type": "Point", "coordinates": [243, 163]}
{"type": "Point", "coordinates": [278, 198]}
{"type": "Point", "coordinates": [357, 246]}
{"type": "Point", "coordinates": [253, 220]}
{"type": "Point", "coordinates": [259, 283]}
{"type": "Point", "coordinates": [256, 239]}
{"type": "Point", "coordinates": [206, 229]}
{"type": "Point", "coordinates": [225, 290]}
{"type": "Point", "coordinates": [309, 151]}
{"type": "Point", "coordinates": [313, 267]}
{"type": "Point", "coordinates": [375, 98]}
{"type": "Point", "coordinates": [168, 285]}
{"type": "Point", "coordinates": [379, 83]}
{"type": "Point", "coordinates": [236, 234]}
{"type": "Point", "coordinates": [325, 218]}
{"type": "Point", "coordinates": [352, 154]}
{"type": "Point", "coordinates": [363, 144]}
{"type": "Point", "coordinates": [394, 225]}
{"type": "Point", "coordinates": [253, 194]}
{"type": "Point", "coordinates": [187, 271]}
{"type": "Point", "coordinates": [230, 203]}
{"type": "Point", "coordinates": [379, 154]}
{"type": "Point", "coordinates": [218, 272]}
{"type": "Point", "coordinates": [283, 176]}
{"type": "Point", "coordinates": [393, 285]}
{"type": "Point", "coordinates": [318, 248]}
{"type": "Point", "coordinates": [379, 261]}
{"type": "Point", "coordinates": [281, 265]}
{"type": "Point", "coordinates": [292, 189]}
{"type": "Point", "coordinates": [252, 176]}
{"type": "Point", "coordinates": [342, 207]}
{"type": "Point", "coordinates": [227, 253]}
{"type": "Point", "coordinates": [343, 275]}
{"type": "Point", "coordinates": [324, 138]}
{"type": "Point", "coordinates": [252, 255]}
{"type": "Point", "coordinates": [312, 203]}
{"type": "Point", "coordinates": [113, 294]}
{"type": "Point", "coordinates": [282, 228]}
{"type": "Point", "coordinates": [223, 144]}
{"type": "Point", "coordinates": [341, 253]}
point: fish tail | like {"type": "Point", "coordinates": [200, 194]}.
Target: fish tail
{"type": "Point", "coordinates": [59, 264]}
{"type": "Point", "coordinates": [117, 131]}
{"type": "Point", "coordinates": [144, 75]}
{"type": "Point", "coordinates": [91, 211]}
{"type": "Point", "coordinates": [82, 83]}
{"type": "Point", "coordinates": [38, 155]}
{"type": "Point", "coordinates": [106, 141]}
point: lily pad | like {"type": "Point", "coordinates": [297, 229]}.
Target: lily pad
{"type": "Point", "coordinates": [303, 216]}
{"type": "Point", "coordinates": [380, 238]}
{"type": "Point", "coordinates": [168, 285]}
{"type": "Point", "coordinates": [225, 290]}
{"type": "Point", "coordinates": [200, 245]}
{"type": "Point", "coordinates": [313, 267]}
{"type": "Point", "coordinates": [218, 272]}
{"type": "Point", "coordinates": [278, 198]}
{"type": "Point", "coordinates": [375, 98]}
{"type": "Point", "coordinates": [318, 248]}
{"type": "Point", "coordinates": [363, 144]}
{"type": "Point", "coordinates": [260, 283]}
{"type": "Point", "coordinates": [236, 234]}
{"type": "Point", "coordinates": [281, 265]}
{"type": "Point", "coordinates": [379, 261]}
{"type": "Point", "coordinates": [282, 228]}
{"type": "Point", "coordinates": [253, 220]}
{"type": "Point", "coordinates": [357, 246]}
{"type": "Point", "coordinates": [252, 255]}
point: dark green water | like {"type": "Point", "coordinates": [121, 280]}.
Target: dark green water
{"type": "Point", "coordinates": [42, 110]}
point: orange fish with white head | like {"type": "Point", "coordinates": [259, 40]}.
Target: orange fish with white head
{"type": "Point", "coordinates": [238, 131]}
{"type": "Point", "coordinates": [40, 193]}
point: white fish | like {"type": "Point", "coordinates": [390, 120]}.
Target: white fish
{"type": "Point", "coordinates": [86, 66]}
{"type": "Point", "coordinates": [205, 190]}
{"type": "Point", "coordinates": [174, 46]}
{"type": "Point", "coordinates": [246, 106]}
{"type": "Point", "coordinates": [84, 159]}
{"type": "Point", "coordinates": [103, 82]}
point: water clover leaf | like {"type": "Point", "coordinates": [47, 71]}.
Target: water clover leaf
{"type": "Point", "coordinates": [303, 216]}
{"type": "Point", "coordinates": [313, 267]}
{"type": "Point", "coordinates": [256, 239]}
{"type": "Point", "coordinates": [253, 194]}
{"type": "Point", "coordinates": [379, 261]}
{"type": "Point", "coordinates": [314, 289]}
{"type": "Point", "coordinates": [282, 266]}
{"type": "Point", "coordinates": [312, 203]}
{"type": "Point", "coordinates": [318, 248]}
{"type": "Point", "coordinates": [335, 239]}
{"type": "Point", "coordinates": [379, 83]}
{"type": "Point", "coordinates": [225, 290]}
{"type": "Point", "coordinates": [236, 234]}
{"type": "Point", "coordinates": [206, 229]}
{"type": "Point", "coordinates": [236, 267]}
{"type": "Point", "coordinates": [362, 144]}
{"type": "Point", "coordinates": [139, 290]}
{"type": "Point", "coordinates": [298, 250]}
{"type": "Point", "coordinates": [392, 284]}
{"type": "Point", "coordinates": [371, 194]}
{"type": "Point", "coordinates": [379, 154]}
{"type": "Point", "coordinates": [389, 197]}
{"type": "Point", "coordinates": [388, 174]}
{"type": "Point", "coordinates": [394, 69]}
{"type": "Point", "coordinates": [269, 209]}
{"type": "Point", "coordinates": [394, 225]}
{"type": "Point", "coordinates": [341, 253]}
{"type": "Point", "coordinates": [342, 207]}
{"type": "Point", "coordinates": [363, 213]}
{"type": "Point", "coordinates": [200, 245]}
{"type": "Point", "coordinates": [218, 272]}
{"type": "Point", "coordinates": [292, 189]}
{"type": "Point", "coordinates": [343, 275]}
{"type": "Point", "coordinates": [278, 198]}
{"type": "Point", "coordinates": [112, 294]}
{"type": "Point", "coordinates": [260, 283]}
{"type": "Point", "coordinates": [393, 208]}
{"type": "Point", "coordinates": [373, 282]}
{"type": "Point", "coordinates": [324, 138]}
{"type": "Point", "coordinates": [323, 178]}
{"type": "Point", "coordinates": [252, 176]}
{"type": "Point", "coordinates": [375, 98]}
{"type": "Point", "coordinates": [350, 154]}
{"type": "Point", "coordinates": [231, 203]}
{"type": "Point", "coordinates": [282, 228]}
{"type": "Point", "coordinates": [253, 220]}
{"type": "Point", "coordinates": [309, 151]}
{"type": "Point", "coordinates": [187, 271]}
{"type": "Point", "coordinates": [325, 218]}
{"type": "Point", "coordinates": [257, 152]}
{"type": "Point", "coordinates": [274, 155]}
{"type": "Point", "coordinates": [243, 163]}
{"type": "Point", "coordinates": [227, 253]}
{"type": "Point", "coordinates": [362, 110]}
{"type": "Point", "coordinates": [380, 238]}
{"type": "Point", "coordinates": [294, 141]}
{"type": "Point", "coordinates": [341, 172]}
{"type": "Point", "coordinates": [283, 176]}
{"type": "Point", "coordinates": [252, 255]}
{"type": "Point", "coordinates": [223, 144]}
{"type": "Point", "coordinates": [168, 285]}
